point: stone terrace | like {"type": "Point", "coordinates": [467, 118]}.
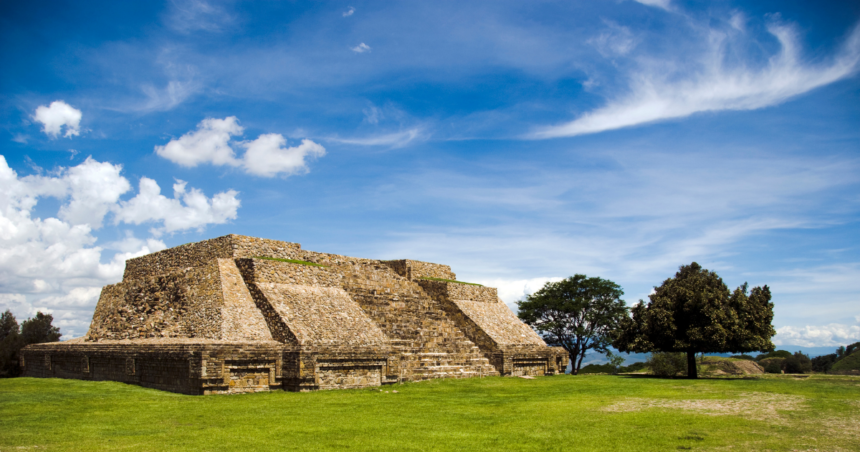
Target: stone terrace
{"type": "Point", "coordinates": [232, 314]}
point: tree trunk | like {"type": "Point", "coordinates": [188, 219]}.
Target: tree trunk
{"type": "Point", "coordinates": [579, 363]}
{"type": "Point", "coordinates": [692, 371]}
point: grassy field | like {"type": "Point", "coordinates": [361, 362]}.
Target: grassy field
{"type": "Point", "coordinates": [597, 412]}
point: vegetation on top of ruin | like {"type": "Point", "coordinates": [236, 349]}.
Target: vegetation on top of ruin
{"type": "Point", "coordinates": [430, 278]}
{"type": "Point", "coordinates": [765, 412]}
{"type": "Point", "coordinates": [291, 261]}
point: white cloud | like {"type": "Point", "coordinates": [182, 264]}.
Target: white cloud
{"type": "Point", "coordinates": [266, 156]}
{"type": "Point", "coordinates": [210, 143]}
{"type": "Point", "coordinates": [186, 16]}
{"type": "Point", "coordinates": [397, 139]}
{"type": "Point", "coordinates": [361, 48]}
{"type": "Point", "coordinates": [173, 94]}
{"type": "Point", "coordinates": [834, 334]}
{"type": "Point", "coordinates": [664, 4]}
{"type": "Point", "coordinates": [349, 12]}
{"type": "Point", "coordinates": [657, 94]}
{"type": "Point", "coordinates": [188, 209]}
{"type": "Point", "coordinates": [615, 40]}
{"type": "Point", "coordinates": [54, 263]}
{"type": "Point", "coordinates": [57, 115]}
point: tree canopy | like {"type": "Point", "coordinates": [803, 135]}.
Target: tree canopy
{"type": "Point", "coordinates": [577, 313]}
{"type": "Point", "coordinates": [693, 312]}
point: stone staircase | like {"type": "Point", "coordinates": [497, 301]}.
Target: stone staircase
{"type": "Point", "coordinates": [430, 343]}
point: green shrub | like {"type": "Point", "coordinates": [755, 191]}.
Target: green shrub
{"type": "Point", "coordinates": [635, 367]}
{"type": "Point", "coordinates": [665, 364]}
{"type": "Point", "coordinates": [773, 367]}
{"type": "Point", "coordinates": [597, 369]}
{"type": "Point", "coordinates": [780, 362]}
{"type": "Point", "coordinates": [797, 364]}
{"type": "Point", "coordinates": [748, 357]}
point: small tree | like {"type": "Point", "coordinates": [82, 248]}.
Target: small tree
{"type": "Point", "coordinates": [578, 313]}
{"type": "Point", "coordinates": [823, 363]}
{"type": "Point", "coordinates": [9, 345]}
{"type": "Point", "coordinates": [12, 338]}
{"type": "Point", "coordinates": [38, 330]}
{"type": "Point", "coordinates": [694, 313]}
{"type": "Point", "coordinates": [615, 361]}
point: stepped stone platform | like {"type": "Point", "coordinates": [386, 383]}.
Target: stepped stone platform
{"type": "Point", "coordinates": [231, 315]}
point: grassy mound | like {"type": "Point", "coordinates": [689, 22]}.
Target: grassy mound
{"type": "Point", "coordinates": [730, 366]}
{"type": "Point", "coordinates": [543, 414]}
{"type": "Point", "coordinates": [849, 365]}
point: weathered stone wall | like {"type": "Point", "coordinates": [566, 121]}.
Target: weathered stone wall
{"type": "Point", "coordinates": [266, 271]}
{"type": "Point", "coordinates": [459, 291]}
{"type": "Point", "coordinates": [171, 365]}
{"type": "Point", "coordinates": [178, 258]}
{"type": "Point", "coordinates": [411, 270]}
{"type": "Point", "coordinates": [186, 303]}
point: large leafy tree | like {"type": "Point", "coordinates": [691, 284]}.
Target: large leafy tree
{"type": "Point", "coordinates": [694, 312]}
{"type": "Point", "coordinates": [578, 313]}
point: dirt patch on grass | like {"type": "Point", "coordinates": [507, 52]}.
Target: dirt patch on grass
{"type": "Point", "coordinates": [756, 405]}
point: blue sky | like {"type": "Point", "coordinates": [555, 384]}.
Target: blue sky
{"type": "Point", "coordinates": [518, 142]}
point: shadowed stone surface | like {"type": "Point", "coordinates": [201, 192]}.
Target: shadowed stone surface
{"type": "Point", "coordinates": [220, 316]}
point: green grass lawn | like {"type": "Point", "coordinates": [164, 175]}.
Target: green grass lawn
{"type": "Point", "coordinates": [598, 412]}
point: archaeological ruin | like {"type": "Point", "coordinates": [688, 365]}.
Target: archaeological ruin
{"type": "Point", "coordinates": [242, 314]}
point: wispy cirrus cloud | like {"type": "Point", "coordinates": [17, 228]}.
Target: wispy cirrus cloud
{"type": "Point", "coordinates": [185, 16]}
{"type": "Point", "coordinates": [656, 94]}
{"type": "Point", "coordinates": [663, 4]}
{"type": "Point", "coordinates": [396, 139]}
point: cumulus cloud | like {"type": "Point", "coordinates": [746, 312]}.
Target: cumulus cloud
{"type": "Point", "coordinates": [349, 12]}
{"type": "Point", "coordinates": [188, 209]}
{"type": "Point", "coordinates": [834, 334]}
{"type": "Point", "coordinates": [58, 115]}
{"type": "Point", "coordinates": [210, 143]}
{"type": "Point", "coordinates": [266, 156]}
{"type": "Point", "coordinates": [361, 48]}
{"type": "Point", "coordinates": [656, 94]}
{"type": "Point", "coordinates": [55, 264]}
